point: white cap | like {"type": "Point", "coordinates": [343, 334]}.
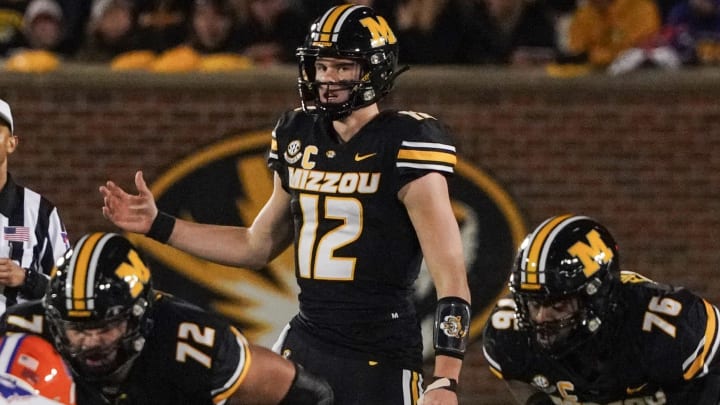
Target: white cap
{"type": "Point", "coordinates": [98, 9]}
{"type": "Point", "coordinates": [6, 115]}
{"type": "Point", "coordinates": [42, 7]}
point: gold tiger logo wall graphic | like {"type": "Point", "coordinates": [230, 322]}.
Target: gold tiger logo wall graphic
{"type": "Point", "coordinates": [228, 183]}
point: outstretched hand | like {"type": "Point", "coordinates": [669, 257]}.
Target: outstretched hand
{"type": "Point", "coordinates": [132, 213]}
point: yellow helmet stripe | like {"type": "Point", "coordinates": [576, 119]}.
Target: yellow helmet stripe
{"type": "Point", "coordinates": [79, 288]}
{"type": "Point", "coordinates": [75, 280]}
{"type": "Point", "coordinates": [331, 22]}
{"type": "Point", "coordinates": [532, 276]}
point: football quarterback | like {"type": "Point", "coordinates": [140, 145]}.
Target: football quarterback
{"type": "Point", "coordinates": [363, 195]}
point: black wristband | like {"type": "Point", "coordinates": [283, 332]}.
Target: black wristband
{"type": "Point", "coordinates": [162, 227]}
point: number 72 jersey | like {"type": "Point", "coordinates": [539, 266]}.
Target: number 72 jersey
{"type": "Point", "coordinates": [189, 356]}
{"type": "Point", "coordinates": [660, 346]}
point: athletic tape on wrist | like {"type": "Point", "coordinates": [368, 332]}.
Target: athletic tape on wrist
{"type": "Point", "coordinates": [452, 325]}
{"type": "Point", "coordinates": [444, 383]}
{"type": "Point", "coordinates": [162, 227]}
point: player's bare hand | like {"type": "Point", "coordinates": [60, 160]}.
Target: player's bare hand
{"type": "Point", "coordinates": [130, 212]}
{"type": "Point", "coordinates": [438, 397]}
{"type": "Point", "coordinates": [11, 274]}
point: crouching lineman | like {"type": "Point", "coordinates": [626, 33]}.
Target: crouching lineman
{"type": "Point", "coordinates": [579, 331]}
{"type": "Point", "coordinates": [130, 344]}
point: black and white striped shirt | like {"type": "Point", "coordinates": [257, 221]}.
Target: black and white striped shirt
{"type": "Point", "coordinates": [33, 235]}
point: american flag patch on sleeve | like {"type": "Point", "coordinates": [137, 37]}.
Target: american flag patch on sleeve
{"type": "Point", "coordinates": [16, 233]}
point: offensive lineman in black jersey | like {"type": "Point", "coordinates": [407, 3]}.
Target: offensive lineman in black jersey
{"type": "Point", "coordinates": [363, 195]}
{"type": "Point", "coordinates": [580, 331]}
{"type": "Point", "coordinates": [127, 343]}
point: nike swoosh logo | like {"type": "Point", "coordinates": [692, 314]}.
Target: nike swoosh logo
{"type": "Point", "coordinates": [631, 391]}
{"type": "Point", "coordinates": [359, 157]}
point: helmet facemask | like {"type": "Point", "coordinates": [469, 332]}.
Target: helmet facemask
{"type": "Point", "coordinates": [572, 322]}
{"type": "Point", "coordinates": [102, 361]}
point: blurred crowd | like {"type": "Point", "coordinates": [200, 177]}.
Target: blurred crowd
{"type": "Point", "coordinates": [166, 35]}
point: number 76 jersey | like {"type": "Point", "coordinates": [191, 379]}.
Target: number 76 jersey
{"type": "Point", "coordinates": [357, 254]}
{"type": "Point", "coordinates": [659, 346]}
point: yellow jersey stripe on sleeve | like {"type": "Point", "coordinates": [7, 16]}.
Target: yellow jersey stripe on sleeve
{"type": "Point", "coordinates": [494, 366]}
{"type": "Point", "coordinates": [708, 347]}
{"type": "Point", "coordinates": [428, 156]}
{"type": "Point", "coordinates": [222, 394]}
{"type": "Point", "coordinates": [496, 372]}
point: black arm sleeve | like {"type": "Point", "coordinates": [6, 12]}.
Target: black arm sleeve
{"type": "Point", "coordinates": [307, 389]}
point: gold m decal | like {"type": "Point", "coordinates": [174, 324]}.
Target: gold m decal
{"type": "Point", "coordinates": [592, 255]}
{"type": "Point", "coordinates": [379, 30]}
{"type": "Point", "coordinates": [135, 273]}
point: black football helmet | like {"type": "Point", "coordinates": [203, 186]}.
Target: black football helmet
{"type": "Point", "coordinates": [349, 32]}
{"type": "Point", "coordinates": [566, 257]}
{"type": "Point", "coordinates": [99, 282]}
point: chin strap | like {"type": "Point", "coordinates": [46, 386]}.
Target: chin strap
{"type": "Point", "coordinates": [399, 72]}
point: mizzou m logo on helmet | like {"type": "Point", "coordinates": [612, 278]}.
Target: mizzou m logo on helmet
{"type": "Point", "coordinates": [591, 254]}
{"type": "Point", "coordinates": [229, 182]}
{"type": "Point", "coordinates": [380, 31]}
{"type": "Point", "coordinates": [134, 273]}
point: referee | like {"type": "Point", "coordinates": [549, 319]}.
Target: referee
{"type": "Point", "coordinates": [33, 235]}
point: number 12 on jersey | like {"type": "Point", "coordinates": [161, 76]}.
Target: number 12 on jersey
{"type": "Point", "coordinates": [316, 253]}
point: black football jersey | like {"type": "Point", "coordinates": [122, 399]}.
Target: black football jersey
{"type": "Point", "coordinates": [657, 348]}
{"type": "Point", "coordinates": [357, 254]}
{"type": "Point", "coordinates": [189, 357]}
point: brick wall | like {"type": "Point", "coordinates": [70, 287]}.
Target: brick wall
{"type": "Point", "coordinates": [641, 153]}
